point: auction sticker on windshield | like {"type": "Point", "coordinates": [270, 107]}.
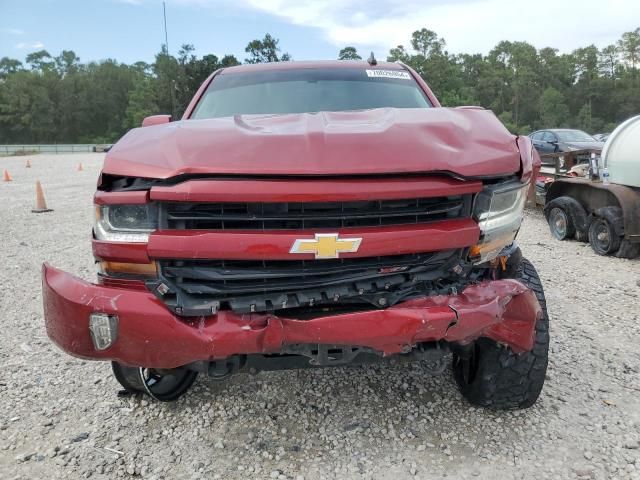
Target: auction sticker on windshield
{"type": "Point", "coordinates": [388, 74]}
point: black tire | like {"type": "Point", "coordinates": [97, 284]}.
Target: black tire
{"type": "Point", "coordinates": [628, 250]}
{"type": "Point", "coordinates": [494, 376]}
{"type": "Point", "coordinates": [128, 377]}
{"type": "Point", "coordinates": [162, 385]}
{"type": "Point", "coordinates": [560, 223]}
{"type": "Point", "coordinates": [603, 238]}
{"type": "Point", "coordinates": [577, 220]}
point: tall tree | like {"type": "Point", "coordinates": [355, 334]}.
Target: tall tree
{"type": "Point", "coordinates": [349, 53]}
{"type": "Point", "coordinates": [265, 50]}
{"type": "Point", "coordinates": [9, 66]}
{"type": "Point", "coordinates": [229, 61]}
{"type": "Point", "coordinates": [141, 102]}
{"type": "Point", "coordinates": [66, 62]}
{"type": "Point", "coordinates": [629, 46]}
{"type": "Point", "coordinates": [426, 42]}
{"type": "Point", "coordinates": [608, 61]}
{"type": "Point", "coordinates": [553, 108]}
{"type": "Point", "coordinates": [399, 54]}
{"type": "Point", "coordinates": [40, 60]}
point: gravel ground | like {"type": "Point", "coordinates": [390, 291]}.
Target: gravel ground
{"type": "Point", "coordinates": [60, 416]}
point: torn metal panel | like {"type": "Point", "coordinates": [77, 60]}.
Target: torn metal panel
{"type": "Point", "coordinates": [151, 336]}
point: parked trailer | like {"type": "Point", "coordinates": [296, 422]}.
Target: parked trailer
{"type": "Point", "coordinates": [604, 213]}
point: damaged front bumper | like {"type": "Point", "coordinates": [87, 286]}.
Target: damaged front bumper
{"type": "Point", "coordinates": [149, 335]}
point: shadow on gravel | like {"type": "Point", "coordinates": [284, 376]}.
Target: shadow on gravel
{"type": "Point", "coordinates": [376, 406]}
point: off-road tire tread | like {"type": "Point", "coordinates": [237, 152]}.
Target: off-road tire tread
{"type": "Point", "coordinates": [506, 380]}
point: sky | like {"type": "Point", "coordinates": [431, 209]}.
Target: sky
{"type": "Point", "coordinates": [132, 30]}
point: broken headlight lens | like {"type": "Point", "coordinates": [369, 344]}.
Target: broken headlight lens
{"type": "Point", "coordinates": [125, 223]}
{"type": "Point", "coordinates": [498, 210]}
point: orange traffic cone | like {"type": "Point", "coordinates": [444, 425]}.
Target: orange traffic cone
{"type": "Point", "coordinates": [6, 177]}
{"type": "Point", "coordinates": [80, 168]}
{"type": "Point", "coordinates": [28, 164]}
{"type": "Point", "coordinates": [41, 205]}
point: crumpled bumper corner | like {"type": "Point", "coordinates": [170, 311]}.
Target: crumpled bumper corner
{"type": "Point", "coordinates": [152, 336]}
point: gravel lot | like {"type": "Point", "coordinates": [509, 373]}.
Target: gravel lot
{"type": "Point", "coordinates": [60, 416]}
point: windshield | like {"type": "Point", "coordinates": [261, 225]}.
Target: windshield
{"type": "Point", "coordinates": [308, 90]}
{"type": "Point", "coordinates": [574, 136]}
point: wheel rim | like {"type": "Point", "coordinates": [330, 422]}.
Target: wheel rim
{"type": "Point", "coordinates": [166, 386]}
{"type": "Point", "coordinates": [559, 223]}
{"type": "Point", "coordinates": [162, 385]}
{"type": "Point", "coordinates": [602, 237]}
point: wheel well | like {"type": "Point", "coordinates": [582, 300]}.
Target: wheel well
{"type": "Point", "coordinates": [590, 198]}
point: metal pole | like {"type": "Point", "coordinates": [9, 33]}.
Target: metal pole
{"type": "Point", "coordinates": [166, 43]}
{"type": "Point", "coordinates": [166, 38]}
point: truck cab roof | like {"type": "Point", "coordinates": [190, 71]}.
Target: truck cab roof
{"type": "Point", "coordinates": [296, 65]}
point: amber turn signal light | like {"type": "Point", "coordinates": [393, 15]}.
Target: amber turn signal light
{"type": "Point", "coordinates": [147, 269]}
{"type": "Point", "coordinates": [492, 248]}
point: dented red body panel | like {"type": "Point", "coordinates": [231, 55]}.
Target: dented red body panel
{"type": "Point", "coordinates": [379, 154]}
{"type": "Point", "coordinates": [465, 142]}
{"type": "Point", "coordinates": [151, 336]}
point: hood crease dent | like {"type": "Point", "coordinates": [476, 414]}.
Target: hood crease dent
{"type": "Point", "coordinates": [465, 142]}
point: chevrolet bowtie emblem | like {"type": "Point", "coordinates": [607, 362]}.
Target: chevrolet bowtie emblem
{"type": "Point", "coordinates": [326, 245]}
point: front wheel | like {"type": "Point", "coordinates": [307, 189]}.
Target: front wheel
{"type": "Point", "coordinates": [162, 385]}
{"type": "Point", "coordinates": [492, 375]}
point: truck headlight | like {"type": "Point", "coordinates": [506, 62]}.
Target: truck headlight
{"type": "Point", "coordinates": [498, 210]}
{"type": "Point", "coordinates": [125, 223]}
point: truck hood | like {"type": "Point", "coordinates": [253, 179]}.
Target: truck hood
{"type": "Point", "coordinates": [468, 142]}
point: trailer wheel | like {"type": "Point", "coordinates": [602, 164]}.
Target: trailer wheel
{"type": "Point", "coordinates": [628, 250]}
{"type": "Point", "coordinates": [603, 237]}
{"type": "Point", "coordinates": [162, 385]}
{"type": "Point", "coordinates": [567, 218]}
{"type": "Point", "coordinates": [561, 224]}
{"type": "Point", "coordinates": [494, 376]}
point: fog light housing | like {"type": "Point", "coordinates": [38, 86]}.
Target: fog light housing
{"type": "Point", "coordinates": [104, 329]}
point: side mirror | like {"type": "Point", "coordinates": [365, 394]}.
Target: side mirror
{"type": "Point", "coordinates": [552, 142]}
{"type": "Point", "coordinates": [156, 120]}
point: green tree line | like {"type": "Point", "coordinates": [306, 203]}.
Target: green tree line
{"type": "Point", "coordinates": [59, 99]}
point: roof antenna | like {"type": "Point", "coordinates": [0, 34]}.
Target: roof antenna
{"type": "Point", "coordinates": [372, 59]}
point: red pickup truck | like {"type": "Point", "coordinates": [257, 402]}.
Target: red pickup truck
{"type": "Point", "coordinates": [311, 214]}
